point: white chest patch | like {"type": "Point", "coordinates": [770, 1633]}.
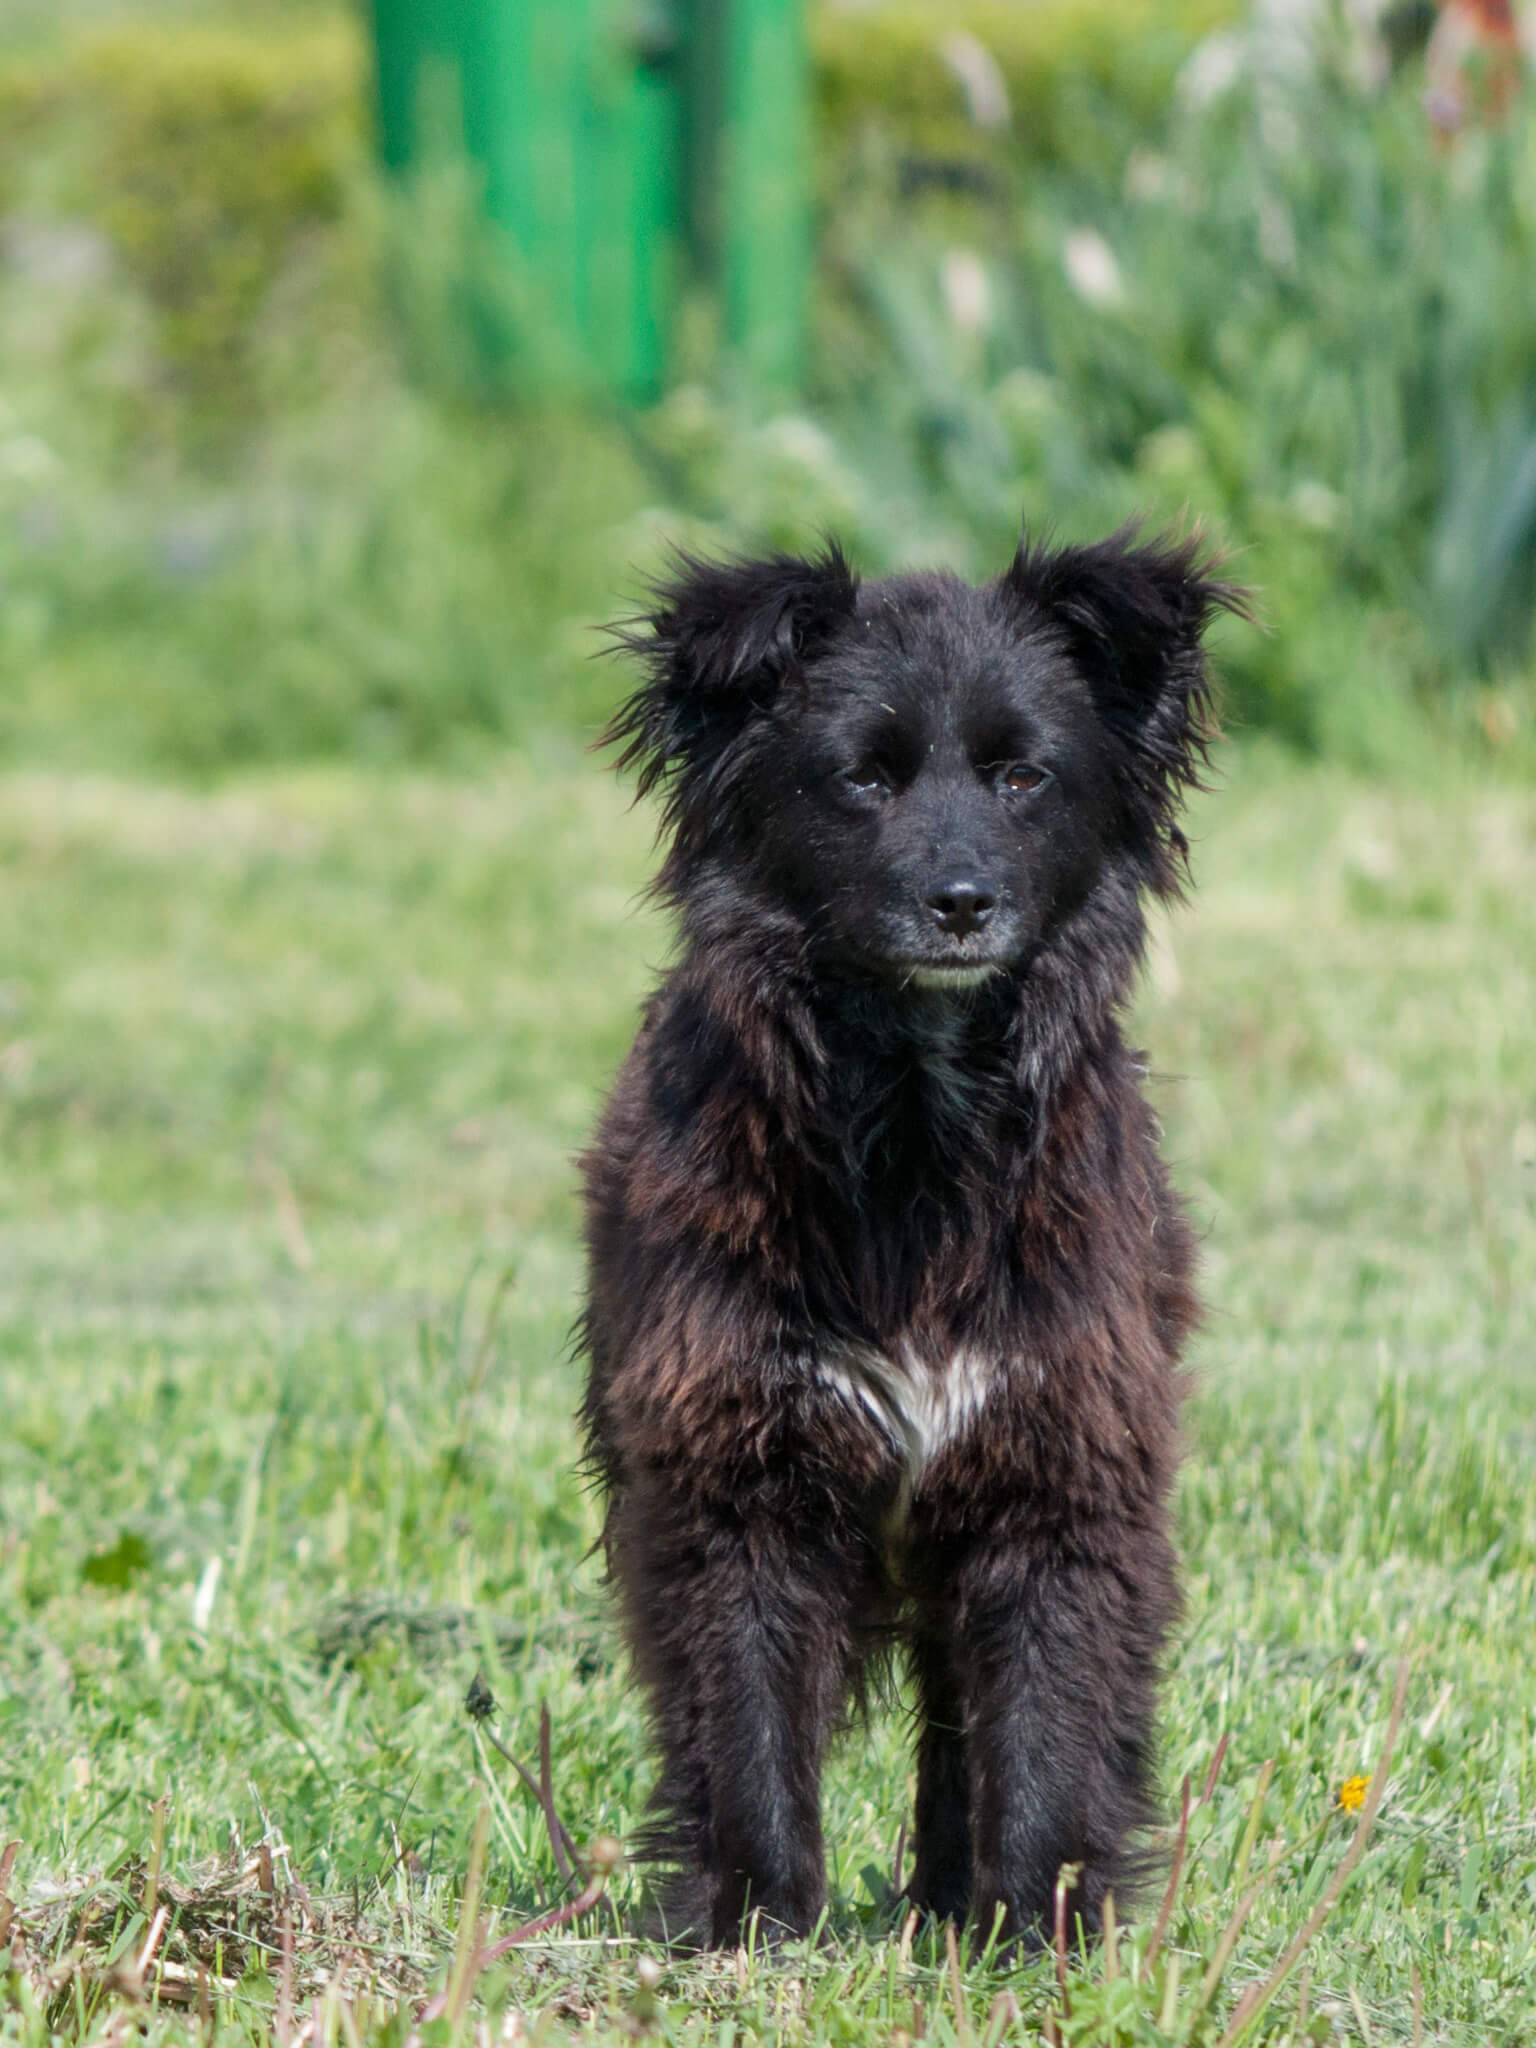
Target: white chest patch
{"type": "Point", "coordinates": [920, 1407]}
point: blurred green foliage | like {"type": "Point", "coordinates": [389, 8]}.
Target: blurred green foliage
{"type": "Point", "coordinates": [1079, 77]}
{"type": "Point", "coordinates": [207, 156]}
{"type": "Point", "coordinates": [219, 152]}
{"type": "Point", "coordinates": [266, 488]}
{"type": "Point", "coordinates": [1299, 318]}
{"type": "Point", "coordinates": [252, 507]}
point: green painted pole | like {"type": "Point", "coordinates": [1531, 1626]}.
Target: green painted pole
{"type": "Point", "coordinates": [409, 35]}
{"type": "Point", "coordinates": [632, 193]}
{"type": "Point", "coordinates": [764, 224]}
{"type": "Point", "coordinates": [612, 134]}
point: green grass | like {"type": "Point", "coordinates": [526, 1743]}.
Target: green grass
{"type": "Point", "coordinates": [290, 1075]}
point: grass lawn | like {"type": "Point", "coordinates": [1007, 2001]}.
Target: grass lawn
{"type": "Point", "coordinates": [290, 1077]}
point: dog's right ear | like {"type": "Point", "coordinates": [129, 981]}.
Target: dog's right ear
{"type": "Point", "coordinates": [716, 642]}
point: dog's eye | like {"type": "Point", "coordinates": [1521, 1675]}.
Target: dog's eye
{"type": "Point", "coordinates": [1022, 778]}
{"type": "Point", "coordinates": [867, 778]}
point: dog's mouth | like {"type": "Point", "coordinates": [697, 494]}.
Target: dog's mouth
{"type": "Point", "coordinates": [953, 974]}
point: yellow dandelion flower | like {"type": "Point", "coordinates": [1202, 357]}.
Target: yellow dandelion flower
{"type": "Point", "coordinates": [1352, 1794]}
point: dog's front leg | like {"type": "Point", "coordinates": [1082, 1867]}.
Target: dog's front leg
{"type": "Point", "coordinates": [1056, 1644]}
{"type": "Point", "coordinates": [741, 1632]}
{"type": "Point", "coordinates": [941, 1874]}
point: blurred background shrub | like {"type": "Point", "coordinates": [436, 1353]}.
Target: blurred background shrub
{"type": "Point", "coordinates": [264, 491]}
{"type": "Point", "coordinates": [972, 92]}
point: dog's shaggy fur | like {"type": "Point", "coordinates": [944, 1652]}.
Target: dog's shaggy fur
{"type": "Point", "coordinates": [887, 1283]}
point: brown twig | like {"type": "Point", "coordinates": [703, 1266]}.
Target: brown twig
{"type": "Point", "coordinates": [908, 1934]}
{"type": "Point", "coordinates": [559, 1841]}
{"type": "Point", "coordinates": [1215, 1771]}
{"type": "Point", "coordinates": [471, 1958]}
{"type": "Point", "coordinates": [1174, 1875]}
{"type": "Point", "coordinates": [282, 2025]}
{"type": "Point", "coordinates": [156, 1855]}
{"type": "Point", "coordinates": [542, 1786]}
{"type": "Point", "coordinates": [1243, 2011]}
{"type": "Point", "coordinates": [546, 1923]}
{"type": "Point", "coordinates": [1005, 2012]}
{"type": "Point", "coordinates": [7, 1910]}
{"type": "Point", "coordinates": [1066, 1880]}
{"type": "Point", "coordinates": [146, 1954]}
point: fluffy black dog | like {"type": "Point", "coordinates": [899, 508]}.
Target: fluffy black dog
{"type": "Point", "coordinates": [887, 1284]}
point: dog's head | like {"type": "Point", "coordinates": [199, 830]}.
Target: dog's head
{"type": "Point", "coordinates": [929, 778]}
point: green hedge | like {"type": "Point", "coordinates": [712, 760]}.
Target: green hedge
{"type": "Point", "coordinates": [206, 156]}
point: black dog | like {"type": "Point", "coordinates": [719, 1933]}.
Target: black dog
{"type": "Point", "coordinates": [887, 1281]}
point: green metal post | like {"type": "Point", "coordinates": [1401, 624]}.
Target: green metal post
{"type": "Point", "coordinates": [764, 222]}
{"type": "Point", "coordinates": [630, 181]}
{"type": "Point", "coordinates": [408, 35]}
{"type": "Point", "coordinates": [572, 110]}
{"type": "Point", "coordinates": [579, 113]}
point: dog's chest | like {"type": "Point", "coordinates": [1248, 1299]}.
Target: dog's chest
{"type": "Point", "coordinates": [919, 1406]}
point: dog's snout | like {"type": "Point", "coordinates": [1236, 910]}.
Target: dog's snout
{"type": "Point", "coordinates": [961, 905]}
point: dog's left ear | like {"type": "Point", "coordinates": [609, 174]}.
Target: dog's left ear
{"type": "Point", "coordinates": [1133, 615]}
{"type": "Point", "coordinates": [716, 642]}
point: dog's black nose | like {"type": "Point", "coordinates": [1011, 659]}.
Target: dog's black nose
{"type": "Point", "coordinates": [961, 907]}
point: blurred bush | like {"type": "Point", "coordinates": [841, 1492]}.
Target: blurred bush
{"type": "Point", "coordinates": [965, 91]}
{"type": "Point", "coordinates": [264, 489]}
{"type": "Point", "coordinates": [207, 157]}
{"type": "Point", "coordinates": [233, 525]}
{"type": "Point", "coordinates": [211, 155]}
{"type": "Point", "coordinates": [1304, 317]}
{"type": "Point", "coordinates": [216, 155]}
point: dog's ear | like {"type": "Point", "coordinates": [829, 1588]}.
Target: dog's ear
{"type": "Point", "coordinates": [1133, 615]}
{"type": "Point", "coordinates": [716, 642]}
